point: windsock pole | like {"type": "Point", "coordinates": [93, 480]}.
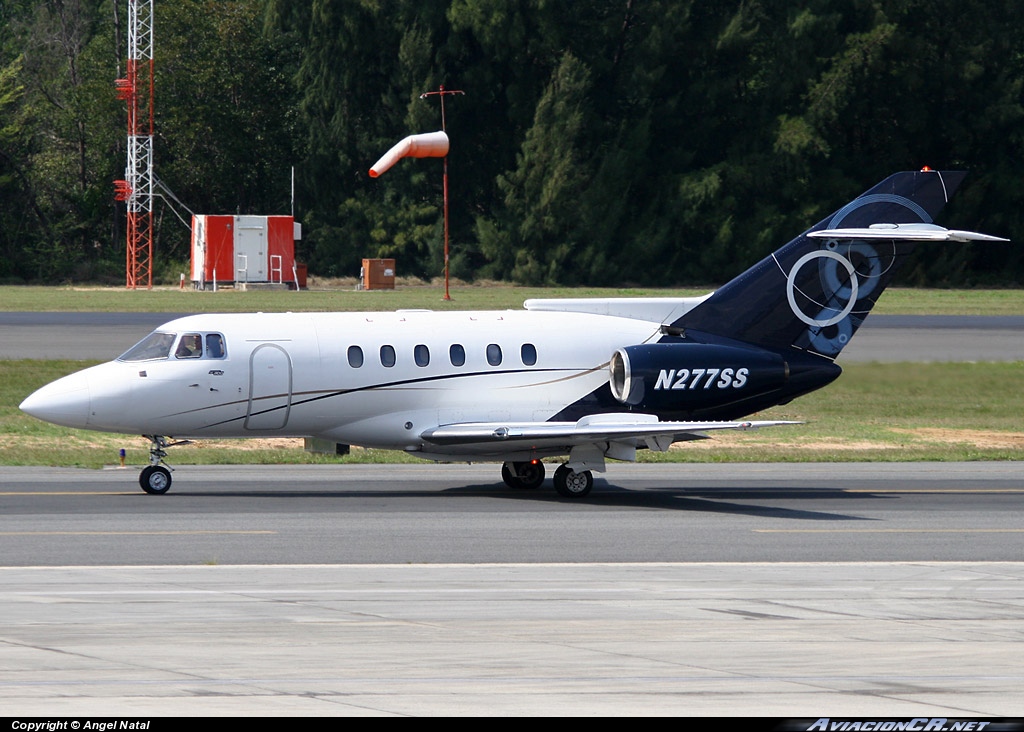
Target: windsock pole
{"type": "Point", "coordinates": [446, 295]}
{"type": "Point", "coordinates": [442, 93]}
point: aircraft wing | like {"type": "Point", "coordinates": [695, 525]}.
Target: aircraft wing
{"type": "Point", "coordinates": [910, 232]}
{"type": "Point", "coordinates": [634, 429]}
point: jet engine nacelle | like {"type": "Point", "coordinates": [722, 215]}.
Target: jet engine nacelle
{"type": "Point", "coordinates": [692, 376]}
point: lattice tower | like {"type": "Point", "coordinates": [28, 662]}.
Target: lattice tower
{"type": "Point", "coordinates": [137, 187]}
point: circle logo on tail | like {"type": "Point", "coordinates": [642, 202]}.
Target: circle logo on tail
{"type": "Point", "coordinates": [853, 288]}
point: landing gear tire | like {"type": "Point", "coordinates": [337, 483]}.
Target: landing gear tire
{"type": "Point", "coordinates": [155, 479]}
{"type": "Point", "coordinates": [528, 475]}
{"type": "Point", "coordinates": [571, 484]}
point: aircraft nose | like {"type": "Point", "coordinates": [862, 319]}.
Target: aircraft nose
{"type": "Point", "coordinates": [64, 401]}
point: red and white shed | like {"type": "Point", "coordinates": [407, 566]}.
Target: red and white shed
{"type": "Point", "coordinates": [231, 249]}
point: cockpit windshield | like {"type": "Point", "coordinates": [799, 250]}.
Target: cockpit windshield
{"type": "Point", "coordinates": [154, 346]}
{"type": "Point", "coordinates": [158, 346]}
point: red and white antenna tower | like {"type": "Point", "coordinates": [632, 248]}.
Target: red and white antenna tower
{"type": "Point", "coordinates": [137, 188]}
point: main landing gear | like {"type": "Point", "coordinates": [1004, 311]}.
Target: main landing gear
{"type": "Point", "coordinates": [155, 478]}
{"type": "Point", "coordinates": [568, 483]}
{"type": "Point", "coordinates": [571, 484]}
{"type": "Point", "coordinates": [527, 475]}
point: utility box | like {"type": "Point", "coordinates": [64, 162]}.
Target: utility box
{"type": "Point", "coordinates": [378, 274]}
{"type": "Point", "coordinates": [227, 250]}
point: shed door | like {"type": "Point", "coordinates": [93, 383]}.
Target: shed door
{"type": "Point", "coordinates": [251, 248]}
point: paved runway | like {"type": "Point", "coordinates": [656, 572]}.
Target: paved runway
{"type": "Point", "coordinates": [395, 514]}
{"type": "Point", "coordinates": [884, 338]}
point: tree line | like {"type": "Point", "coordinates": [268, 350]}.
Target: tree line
{"type": "Point", "coordinates": [651, 142]}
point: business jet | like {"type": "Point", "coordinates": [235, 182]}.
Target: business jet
{"type": "Point", "coordinates": [590, 379]}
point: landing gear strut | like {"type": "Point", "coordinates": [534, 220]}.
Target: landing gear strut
{"type": "Point", "coordinates": [155, 478]}
{"type": "Point", "coordinates": [527, 475]}
{"type": "Point", "coordinates": [571, 484]}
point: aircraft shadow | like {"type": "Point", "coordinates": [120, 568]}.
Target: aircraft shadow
{"type": "Point", "coordinates": [706, 499]}
{"type": "Point", "coordinates": [701, 499]}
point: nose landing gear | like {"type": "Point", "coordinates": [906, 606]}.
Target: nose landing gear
{"type": "Point", "coordinates": [155, 478]}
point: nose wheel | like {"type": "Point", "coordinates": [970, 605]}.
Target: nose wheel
{"type": "Point", "coordinates": [155, 479]}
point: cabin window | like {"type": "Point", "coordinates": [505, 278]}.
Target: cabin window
{"type": "Point", "coordinates": [494, 354]}
{"type": "Point", "coordinates": [355, 356]}
{"type": "Point", "coordinates": [457, 354]}
{"type": "Point", "coordinates": [215, 346]}
{"type": "Point", "coordinates": [190, 346]}
{"type": "Point", "coordinates": [421, 354]}
{"type": "Point", "coordinates": [151, 348]}
{"type": "Point", "coordinates": [529, 354]}
{"type": "Point", "coordinates": [387, 356]}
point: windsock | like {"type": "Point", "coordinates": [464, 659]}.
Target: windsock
{"type": "Point", "coordinates": [427, 145]}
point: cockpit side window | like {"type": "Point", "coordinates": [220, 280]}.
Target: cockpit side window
{"type": "Point", "coordinates": [215, 346]}
{"type": "Point", "coordinates": [190, 346]}
{"type": "Point", "coordinates": [153, 347]}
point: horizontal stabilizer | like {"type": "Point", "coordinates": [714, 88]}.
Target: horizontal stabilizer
{"type": "Point", "coordinates": [907, 232]}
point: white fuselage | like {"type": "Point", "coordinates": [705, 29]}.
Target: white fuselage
{"type": "Point", "coordinates": [326, 375]}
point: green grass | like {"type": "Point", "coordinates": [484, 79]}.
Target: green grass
{"type": "Point", "coordinates": [485, 296]}
{"type": "Point", "coordinates": [900, 411]}
{"type": "Point", "coordinates": [874, 412]}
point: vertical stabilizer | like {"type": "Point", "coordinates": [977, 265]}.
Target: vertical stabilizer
{"type": "Point", "coordinates": [813, 294]}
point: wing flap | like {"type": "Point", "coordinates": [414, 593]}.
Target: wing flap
{"type": "Point", "coordinates": [634, 429]}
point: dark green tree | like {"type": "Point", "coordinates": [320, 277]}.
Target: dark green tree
{"type": "Point", "coordinates": [66, 156]}
{"type": "Point", "coordinates": [226, 124]}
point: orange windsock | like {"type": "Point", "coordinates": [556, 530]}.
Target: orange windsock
{"type": "Point", "coordinates": [427, 145]}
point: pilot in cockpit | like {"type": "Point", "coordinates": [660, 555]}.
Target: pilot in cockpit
{"type": "Point", "coordinates": [190, 346]}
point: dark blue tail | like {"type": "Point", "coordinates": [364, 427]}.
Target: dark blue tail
{"type": "Point", "coordinates": [802, 295]}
